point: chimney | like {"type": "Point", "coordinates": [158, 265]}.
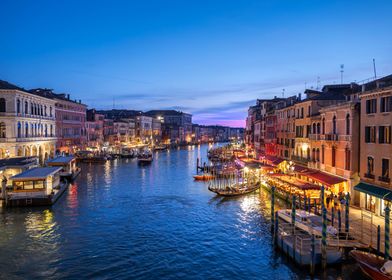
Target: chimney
{"type": "Point", "coordinates": [299, 96]}
{"type": "Point", "coordinates": [68, 96]}
{"type": "Point", "coordinates": [363, 88]}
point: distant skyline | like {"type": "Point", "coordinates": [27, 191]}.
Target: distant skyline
{"type": "Point", "coordinates": [209, 58]}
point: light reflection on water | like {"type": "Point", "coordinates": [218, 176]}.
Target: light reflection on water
{"type": "Point", "coordinates": [120, 220]}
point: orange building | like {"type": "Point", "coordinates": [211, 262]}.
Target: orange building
{"type": "Point", "coordinates": [376, 145]}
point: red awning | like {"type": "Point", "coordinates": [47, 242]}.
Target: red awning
{"type": "Point", "coordinates": [301, 169]}
{"type": "Point", "coordinates": [325, 178]}
{"type": "Point", "coordinates": [273, 160]}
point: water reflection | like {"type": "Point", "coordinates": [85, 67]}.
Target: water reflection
{"type": "Point", "coordinates": [121, 221]}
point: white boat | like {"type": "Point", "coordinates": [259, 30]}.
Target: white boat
{"type": "Point", "coordinates": [307, 222]}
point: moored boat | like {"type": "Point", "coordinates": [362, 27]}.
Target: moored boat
{"type": "Point", "coordinates": [203, 177]}
{"type": "Point", "coordinates": [371, 264]}
{"type": "Point", "coordinates": [145, 157]}
{"type": "Point", "coordinates": [235, 190]}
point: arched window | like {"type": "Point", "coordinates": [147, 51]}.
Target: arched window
{"type": "Point", "coordinates": [308, 153]}
{"type": "Point", "coordinates": [318, 128]}
{"type": "Point", "coordinates": [46, 130]}
{"type": "Point", "coordinates": [318, 154]}
{"type": "Point", "coordinates": [314, 128]}
{"type": "Point", "coordinates": [334, 125]}
{"type": "Point", "coordinates": [51, 130]}
{"type": "Point", "coordinates": [313, 154]}
{"type": "Point", "coordinates": [35, 130]}
{"type": "Point", "coordinates": [50, 112]}
{"type": "Point", "coordinates": [45, 111]}
{"type": "Point", "coordinates": [26, 130]}
{"type": "Point", "coordinates": [323, 122]}
{"type": "Point", "coordinates": [42, 110]}
{"type": "Point", "coordinates": [32, 130]}
{"type": "Point", "coordinates": [31, 109]}
{"type": "Point", "coordinates": [19, 130]}
{"type": "Point", "coordinates": [348, 129]}
{"type": "Point", "coordinates": [333, 156]}
{"type": "Point", "coordinates": [26, 107]}
{"type": "Point", "coordinates": [18, 106]}
{"type": "Point", "coordinates": [2, 130]}
{"type": "Point", "coordinates": [3, 107]}
{"type": "Point", "coordinates": [322, 154]}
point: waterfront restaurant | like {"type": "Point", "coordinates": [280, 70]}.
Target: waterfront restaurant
{"type": "Point", "coordinates": [12, 166]}
{"type": "Point", "coordinates": [36, 186]}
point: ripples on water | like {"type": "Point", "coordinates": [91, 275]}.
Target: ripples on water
{"type": "Point", "coordinates": [120, 220]}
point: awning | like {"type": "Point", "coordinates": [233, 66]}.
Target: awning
{"type": "Point", "coordinates": [325, 178]}
{"type": "Point", "coordinates": [374, 191]}
{"type": "Point", "coordinates": [273, 160]}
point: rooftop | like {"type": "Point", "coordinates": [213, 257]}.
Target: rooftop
{"type": "Point", "coordinates": [65, 159]}
{"type": "Point", "coordinates": [7, 85]}
{"type": "Point", "coordinates": [164, 113]}
{"type": "Point", "coordinates": [48, 93]}
{"type": "Point", "coordinates": [18, 162]}
{"type": "Point", "coordinates": [36, 173]}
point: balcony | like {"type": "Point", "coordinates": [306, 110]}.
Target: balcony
{"type": "Point", "coordinates": [345, 138]}
{"type": "Point", "coordinates": [384, 179]}
{"type": "Point", "coordinates": [369, 176]}
{"type": "Point", "coordinates": [329, 137]}
{"type": "Point", "coordinates": [315, 137]}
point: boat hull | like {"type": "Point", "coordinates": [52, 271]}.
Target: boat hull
{"type": "Point", "coordinates": [370, 265]}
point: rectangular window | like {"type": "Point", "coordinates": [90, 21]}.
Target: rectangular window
{"type": "Point", "coordinates": [385, 168]}
{"type": "Point", "coordinates": [322, 154]}
{"type": "Point", "coordinates": [370, 134]}
{"type": "Point", "coordinates": [371, 106]}
{"type": "Point", "coordinates": [384, 134]}
{"type": "Point", "coordinates": [386, 104]}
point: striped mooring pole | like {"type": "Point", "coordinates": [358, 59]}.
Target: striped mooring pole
{"type": "Point", "coordinates": [272, 205]}
{"type": "Point", "coordinates": [324, 239]}
{"type": "Point", "coordinates": [293, 213]}
{"type": "Point", "coordinates": [315, 206]}
{"type": "Point", "coordinates": [347, 212]}
{"type": "Point", "coordinates": [322, 197]}
{"type": "Point", "coordinates": [387, 231]}
{"type": "Point", "coordinates": [309, 204]}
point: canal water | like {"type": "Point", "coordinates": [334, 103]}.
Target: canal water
{"type": "Point", "coordinates": [124, 221]}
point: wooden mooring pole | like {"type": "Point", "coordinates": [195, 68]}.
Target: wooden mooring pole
{"type": "Point", "coordinates": [272, 206]}
{"type": "Point", "coordinates": [324, 240]}
{"type": "Point", "coordinates": [312, 255]}
{"type": "Point", "coordinates": [387, 231]}
{"type": "Point", "coordinates": [378, 239]}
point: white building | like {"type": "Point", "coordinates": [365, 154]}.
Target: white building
{"type": "Point", "coordinates": [27, 123]}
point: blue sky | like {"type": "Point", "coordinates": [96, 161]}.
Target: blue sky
{"type": "Point", "coordinates": [209, 58]}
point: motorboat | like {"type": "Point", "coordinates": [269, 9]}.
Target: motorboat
{"type": "Point", "coordinates": [372, 265]}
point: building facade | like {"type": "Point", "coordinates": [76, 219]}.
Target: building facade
{"type": "Point", "coordinates": [70, 121]}
{"type": "Point", "coordinates": [376, 145]}
{"type": "Point", "coordinates": [27, 123]}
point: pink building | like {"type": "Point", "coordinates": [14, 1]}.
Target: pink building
{"type": "Point", "coordinates": [70, 121]}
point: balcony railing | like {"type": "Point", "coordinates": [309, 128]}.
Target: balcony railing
{"type": "Point", "coordinates": [369, 176]}
{"type": "Point", "coordinates": [344, 137]}
{"type": "Point", "coordinates": [329, 137]}
{"type": "Point", "coordinates": [384, 179]}
{"type": "Point", "coordinates": [314, 137]}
